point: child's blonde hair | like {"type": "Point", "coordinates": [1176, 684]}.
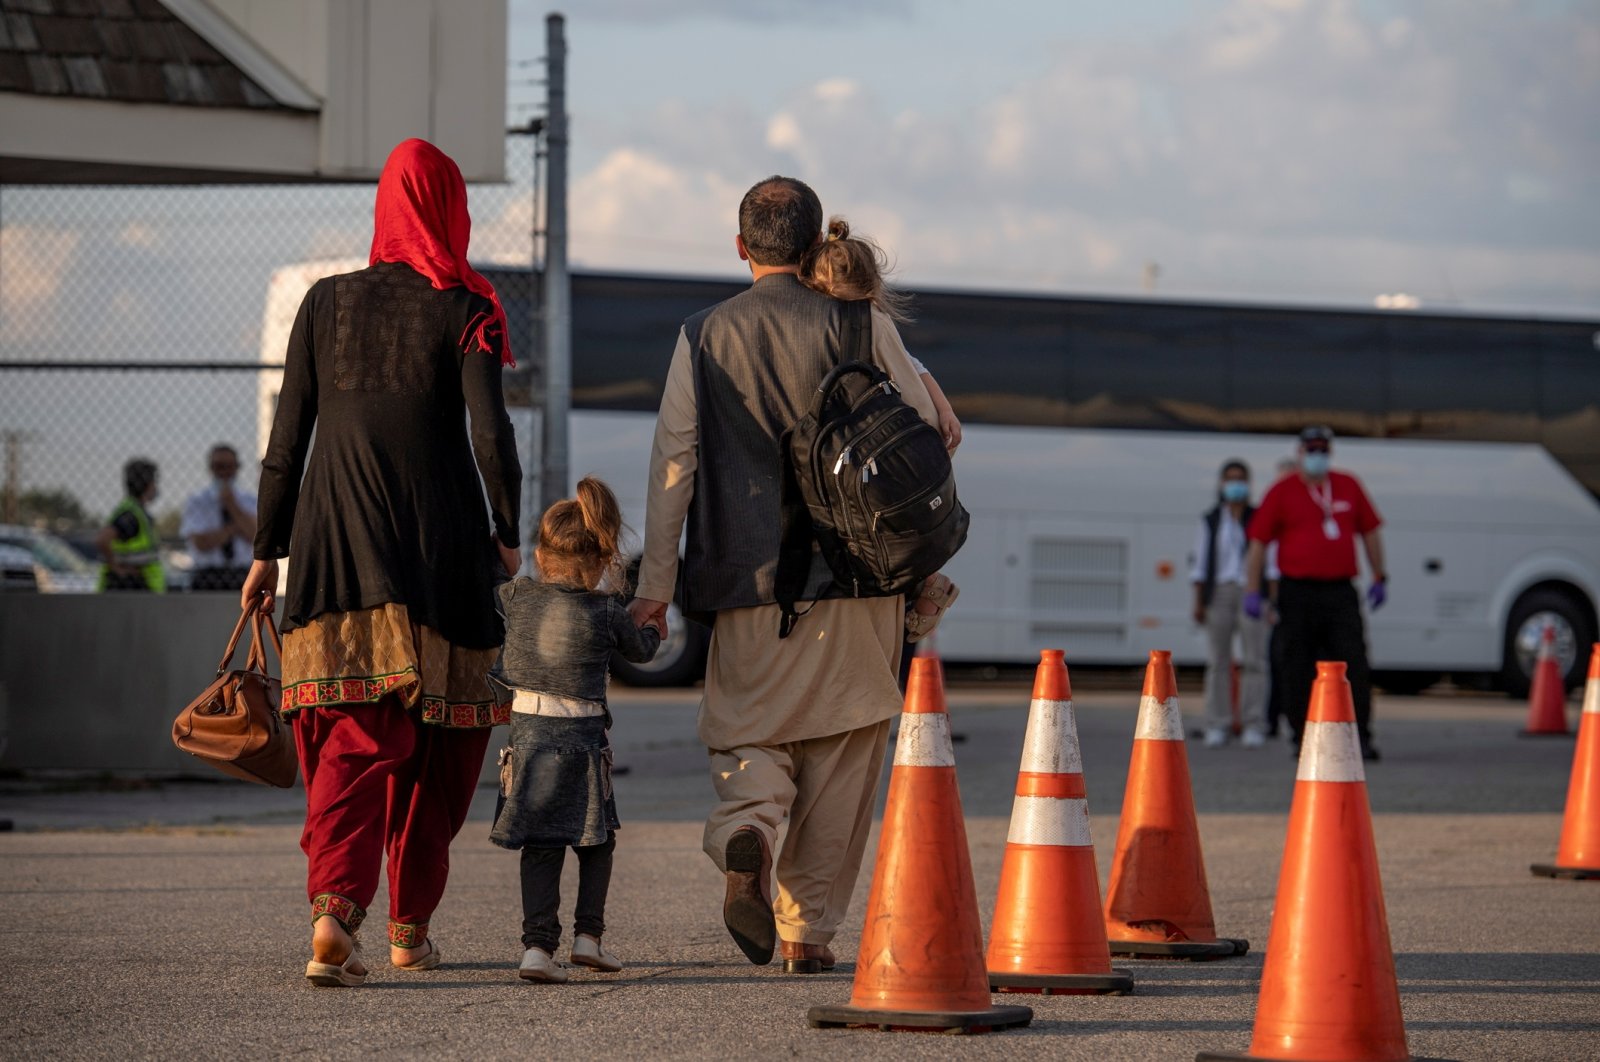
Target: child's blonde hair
{"type": "Point", "coordinates": [852, 268]}
{"type": "Point", "coordinates": [579, 533]}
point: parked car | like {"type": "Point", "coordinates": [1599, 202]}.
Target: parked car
{"type": "Point", "coordinates": [16, 569]}
{"type": "Point", "coordinates": [57, 568]}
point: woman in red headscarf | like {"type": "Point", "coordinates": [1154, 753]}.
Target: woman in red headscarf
{"type": "Point", "coordinates": [389, 623]}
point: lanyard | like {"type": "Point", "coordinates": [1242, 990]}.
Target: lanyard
{"type": "Point", "coordinates": [1323, 498]}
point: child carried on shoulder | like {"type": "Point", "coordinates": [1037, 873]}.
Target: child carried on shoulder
{"type": "Point", "coordinates": [555, 778]}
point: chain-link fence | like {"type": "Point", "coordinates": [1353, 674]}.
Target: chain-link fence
{"type": "Point", "coordinates": [147, 322]}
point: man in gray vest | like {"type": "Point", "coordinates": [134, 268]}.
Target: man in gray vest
{"type": "Point", "coordinates": [796, 728]}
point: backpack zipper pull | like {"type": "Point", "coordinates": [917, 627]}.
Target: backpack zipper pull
{"type": "Point", "coordinates": [870, 467]}
{"type": "Point", "coordinates": [844, 459]}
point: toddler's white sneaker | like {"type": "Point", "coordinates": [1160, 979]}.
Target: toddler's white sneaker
{"type": "Point", "coordinates": [537, 965]}
{"type": "Point", "coordinates": [587, 951]}
{"type": "Point", "coordinates": [1252, 738]}
{"type": "Point", "coordinates": [1215, 738]}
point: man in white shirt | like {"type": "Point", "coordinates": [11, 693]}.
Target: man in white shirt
{"type": "Point", "coordinates": [219, 523]}
{"type": "Point", "coordinates": [1218, 574]}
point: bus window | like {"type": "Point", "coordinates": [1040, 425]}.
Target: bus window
{"type": "Point", "coordinates": [998, 360]}
{"type": "Point", "coordinates": [1292, 368]}
{"type": "Point", "coordinates": [1150, 366]}
{"type": "Point", "coordinates": [1451, 379]}
{"type": "Point", "coordinates": [1569, 398]}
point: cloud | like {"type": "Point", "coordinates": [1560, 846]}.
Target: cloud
{"type": "Point", "coordinates": [34, 260]}
{"type": "Point", "coordinates": [1271, 147]}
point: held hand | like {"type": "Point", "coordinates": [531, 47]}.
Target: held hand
{"type": "Point", "coordinates": [510, 557]}
{"type": "Point", "coordinates": [1200, 615]}
{"type": "Point", "coordinates": [1253, 604]}
{"type": "Point", "coordinates": [950, 428]}
{"type": "Point", "coordinates": [260, 587]}
{"type": "Point", "coordinates": [644, 611]}
{"type": "Point", "coordinates": [1377, 594]}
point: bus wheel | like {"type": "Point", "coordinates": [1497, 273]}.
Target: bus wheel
{"type": "Point", "coordinates": [680, 660]}
{"type": "Point", "coordinates": [1560, 608]}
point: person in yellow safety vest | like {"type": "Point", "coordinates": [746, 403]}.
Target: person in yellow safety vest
{"type": "Point", "coordinates": [128, 541]}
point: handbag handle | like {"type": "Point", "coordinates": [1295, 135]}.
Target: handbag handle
{"type": "Point", "coordinates": [256, 658]}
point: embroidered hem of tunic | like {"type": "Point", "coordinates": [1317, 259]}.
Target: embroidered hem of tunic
{"type": "Point", "coordinates": [363, 656]}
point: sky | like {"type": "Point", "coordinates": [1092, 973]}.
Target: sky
{"type": "Point", "coordinates": [1279, 150]}
{"type": "Point", "coordinates": [1284, 149]}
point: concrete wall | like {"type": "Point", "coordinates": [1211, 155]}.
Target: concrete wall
{"type": "Point", "coordinates": [92, 683]}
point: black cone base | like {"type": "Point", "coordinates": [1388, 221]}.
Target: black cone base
{"type": "Point", "coordinates": [959, 1021]}
{"type": "Point", "coordinates": [1546, 870]}
{"type": "Point", "coordinates": [1190, 950]}
{"type": "Point", "coordinates": [1115, 983]}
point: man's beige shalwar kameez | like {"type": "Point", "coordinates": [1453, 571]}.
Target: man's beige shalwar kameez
{"type": "Point", "coordinates": [797, 728]}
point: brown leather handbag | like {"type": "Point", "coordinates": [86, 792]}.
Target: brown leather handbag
{"type": "Point", "coordinates": [234, 725]}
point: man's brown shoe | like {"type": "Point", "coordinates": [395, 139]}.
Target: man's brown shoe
{"type": "Point", "coordinates": [747, 907]}
{"type": "Point", "coordinates": [801, 958]}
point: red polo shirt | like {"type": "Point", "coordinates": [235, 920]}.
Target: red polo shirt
{"type": "Point", "coordinates": [1293, 514]}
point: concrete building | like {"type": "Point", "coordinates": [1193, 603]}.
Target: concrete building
{"type": "Point", "coordinates": [228, 91]}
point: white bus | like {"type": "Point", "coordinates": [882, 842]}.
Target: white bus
{"type": "Point", "coordinates": [1094, 431]}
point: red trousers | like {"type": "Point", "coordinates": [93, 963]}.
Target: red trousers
{"type": "Point", "coordinates": [380, 782]}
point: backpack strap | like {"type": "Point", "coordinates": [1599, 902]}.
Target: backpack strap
{"type": "Point", "coordinates": [856, 329]}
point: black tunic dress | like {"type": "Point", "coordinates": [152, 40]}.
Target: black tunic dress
{"type": "Point", "coordinates": [391, 508]}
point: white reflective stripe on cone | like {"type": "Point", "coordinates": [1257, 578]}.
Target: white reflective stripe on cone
{"type": "Point", "coordinates": [1159, 720]}
{"type": "Point", "coordinates": [1051, 746]}
{"type": "Point", "coordinates": [1591, 696]}
{"type": "Point", "coordinates": [924, 741]}
{"type": "Point", "coordinates": [1330, 752]}
{"type": "Point", "coordinates": [1049, 820]}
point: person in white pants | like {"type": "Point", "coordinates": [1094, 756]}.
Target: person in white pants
{"type": "Point", "coordinates": [1218, 574]}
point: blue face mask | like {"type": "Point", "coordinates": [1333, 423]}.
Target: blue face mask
{"type": "Point", "coordinates": [1235, 490]}
{"type": "Point", "coordinates": [1315, 464]}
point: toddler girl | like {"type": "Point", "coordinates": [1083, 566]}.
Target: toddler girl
{"type": "Point", "coordinates": [555, 778]}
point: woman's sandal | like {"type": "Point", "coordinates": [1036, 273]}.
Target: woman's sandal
{"type": "Point", "coordinates": [429, 961]}
{"type": "Point", "coordinates": [939, 590]}
{"type": "Point", "coordinates": [327, 975]}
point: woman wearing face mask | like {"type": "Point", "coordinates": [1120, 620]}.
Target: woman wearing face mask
{"type": "Point", "coordinates": [1217, 570]}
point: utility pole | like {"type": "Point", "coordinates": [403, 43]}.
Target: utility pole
{"type": "Point", "coordinates": [11, 500]}
{"type": "Point", "coordinates": [557, 284]}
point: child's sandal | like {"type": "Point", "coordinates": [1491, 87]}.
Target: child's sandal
{"type": "Point", "coordinates": [938, 590]}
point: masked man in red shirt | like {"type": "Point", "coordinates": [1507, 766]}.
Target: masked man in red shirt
{"type": "Point", "coordinates": [1315, 517]}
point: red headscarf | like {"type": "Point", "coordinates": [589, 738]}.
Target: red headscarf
{"type": "Point", "coordinates": [421, 219]}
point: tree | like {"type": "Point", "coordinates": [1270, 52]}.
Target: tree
{"type": "Point", "coordinates": [55, 509]}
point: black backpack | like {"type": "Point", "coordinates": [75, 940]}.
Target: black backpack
{"type": "Point", "coordinates": [868, 482]}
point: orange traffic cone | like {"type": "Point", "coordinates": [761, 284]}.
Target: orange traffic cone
{"type": "Point", "coordinates": [1328, 988]}
{"type": "Point", "coordinates": [1579, 853]}
{"type": "Point", "coordinates": [1048, 934]}
{"type": "Point", "coordinates": [1547, 699]}
{"type": "Point", "coordinates": [1158, 906]}
{"type": "Point", "coordinates": [920, 963]}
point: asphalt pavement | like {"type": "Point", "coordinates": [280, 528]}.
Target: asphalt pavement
{"type": "Point", "coordinates": [167, 918]}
